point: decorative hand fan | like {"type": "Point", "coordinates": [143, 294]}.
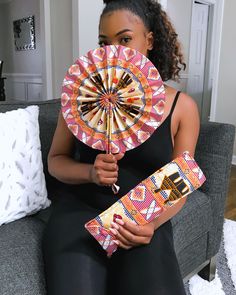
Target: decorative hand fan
{"type": "Point", "coordinates": [113, 98]}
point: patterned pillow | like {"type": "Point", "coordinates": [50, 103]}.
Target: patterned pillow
{"type": "Point", "coordinates": [22, 182]}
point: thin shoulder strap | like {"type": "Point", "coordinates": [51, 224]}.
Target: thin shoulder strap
{"type": "Point", "coordinates": [174, 103]}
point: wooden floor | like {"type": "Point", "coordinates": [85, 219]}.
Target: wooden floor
{"type": "Point", "coordinates": [230, 210]}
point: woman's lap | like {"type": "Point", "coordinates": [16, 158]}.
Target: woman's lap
{"type": "Point", "coordinates": [76, 264]}
{"type": "Point", "coordinates": [151, 269]}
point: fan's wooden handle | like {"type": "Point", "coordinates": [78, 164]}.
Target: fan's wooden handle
{"type": "Point", "coordinates": [115, 188]}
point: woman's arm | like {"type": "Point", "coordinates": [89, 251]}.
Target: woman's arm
{"type": "Point", "coordinates": [185, 139]}
{"type": "Point", "coordinates": [60, 163]}
{"type": "Point", "coordinates": [62, 166]}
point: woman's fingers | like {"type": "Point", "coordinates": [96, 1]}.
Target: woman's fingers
{"type": "Point", "coordinates": [104, 177]}
{"type": "Point", "coordinates": [106, 162]}
{"type": "Point", "coordinates": [130, 235]}
{"type": "Point", "coordinates": [105, 169]}
{"type": "Point", "coordinates": [121, 241]}
{"type": "Point", "coordinates": [129, 239]}
{"type": "Point", "coordinates": [146, 230]}
{"type": "Point", "coordinates": [107, 180]}
{"type": "Point", "coordinates": [110, 158]}
{"type": "Point", "coordinates": [110, 167]}
{"type": "Point", "coordinates": [119, 156]}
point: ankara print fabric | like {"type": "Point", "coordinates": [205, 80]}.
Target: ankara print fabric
{"type": "Point", "coordinates": [113, 98]}
{"type": "Point", "coordinates": [149, 198]}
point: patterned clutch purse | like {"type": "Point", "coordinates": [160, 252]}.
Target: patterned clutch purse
{"type": "Point", "coordinates": [149, 198]}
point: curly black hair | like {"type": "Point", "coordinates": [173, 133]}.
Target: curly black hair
{"type": "Point", "coordinates": [166, 54]}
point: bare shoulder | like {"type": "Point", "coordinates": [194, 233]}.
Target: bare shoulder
{"type": "Point", "coordinates": [185, 125]}
{"type": "Point", "coordinates": [188, 110]}
{"type": "Point", "coordinates": [185, 107]}
{"type": "Point", "coordinates": [187, 113]}
{"type": "Point", "coordinates": [186, 102]}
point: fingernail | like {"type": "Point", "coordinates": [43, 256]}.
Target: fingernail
{"type": "Point", "coordinates": [114, 231]}
{"type": "Point", "coordinates": [116, 242]}
{"type": "Point", "coordinates": [116, 226]}
{"type": "Point", "coordinates": [119, 221]}
{"type": "Point", "coordinates": [116, 216]}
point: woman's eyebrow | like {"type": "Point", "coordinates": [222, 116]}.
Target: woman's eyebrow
{"type": "Point", "coordinates": [117, 34]}
{"type": "Point", "coordinates": [123, 31]}
{"type": "Point", "coordinates": [102, 36]}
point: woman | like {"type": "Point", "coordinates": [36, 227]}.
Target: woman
{"type": "Point", "coordinates": [145, 262]}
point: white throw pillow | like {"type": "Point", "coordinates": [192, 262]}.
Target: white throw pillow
{"type": "Point", "coordinates": [22, 181]}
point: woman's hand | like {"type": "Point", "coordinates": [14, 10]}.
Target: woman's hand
{"type": "Point", "coordinates": [104, 171]}
{"type": "Point", "coordinates": [129, 235]}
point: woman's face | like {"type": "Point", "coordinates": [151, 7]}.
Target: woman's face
{"type": "Point", "coordinates": [122, 27]}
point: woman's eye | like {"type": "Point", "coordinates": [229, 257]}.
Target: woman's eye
{"type": "Point", "coordinates": [102, 43]}
{"type": "Point", "coordinates": [125, 40]}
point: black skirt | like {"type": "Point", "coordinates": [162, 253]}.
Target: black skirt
{"type": "Point", "coordinates": [75, 264]}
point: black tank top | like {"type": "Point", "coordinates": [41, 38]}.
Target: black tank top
{"type": "Point", "coordinates": [136, 165]}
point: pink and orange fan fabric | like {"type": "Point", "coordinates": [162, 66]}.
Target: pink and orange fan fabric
{"type": "Point", "coordinates": [113, 98]}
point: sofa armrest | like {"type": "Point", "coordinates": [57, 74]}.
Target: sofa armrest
{"type": "Point", "coordinates": [21, 267]}
{"type": "Point", "coordinates": [214, 156]}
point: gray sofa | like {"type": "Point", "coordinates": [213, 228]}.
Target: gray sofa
{"type": "Point", "coordinates": [197, 228]}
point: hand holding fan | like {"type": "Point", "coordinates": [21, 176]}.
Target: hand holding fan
{"type": "Point", "coordinates": [113, 98]}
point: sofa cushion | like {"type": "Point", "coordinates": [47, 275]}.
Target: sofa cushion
{"type": "Point", "coordinates": [48, 113]}
{"type": "Point", "coordinates": [21, 267]}
{"type": "Point", "coordinates": [22, 183]}
{"type": "Point", "coordinates": [193, 221]}
{"type": "Point", "coordinates": [193, 256]}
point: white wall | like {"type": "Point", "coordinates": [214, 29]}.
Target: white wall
{"type": "Point", "coordinates": [180, 14]}
{"type": "Point", "coordinates": [226, 97]}
{"type": "Point", "coordinates": [182, 24]}
{"type": "Point", "coordinates": [2, 31]}
{"type": "Point", "coordinates": [88, 24]}
{"type": "Point", "coordinates": [23, 69]}
{"type": "Point", "coordinates": [62, 31]}
{"type": "Point", "coordinates": [226, 103]}
{"type": "Point", "coordinates": [62, 45]}
{"type": "Point", "coordinates": [29, 61]}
